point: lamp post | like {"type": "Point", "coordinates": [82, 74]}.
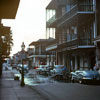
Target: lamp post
{"type": "Point", "coordinates": [22, 58]}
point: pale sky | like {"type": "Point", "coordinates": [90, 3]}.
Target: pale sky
{"type": "Point", "coordinates": [29, 24]}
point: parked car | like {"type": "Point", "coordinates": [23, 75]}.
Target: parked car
{"type": "Point", "coordinates": [19, 66]}
{"type": "Point", "coordinates": [60, 72]}
{"type": "Point", "coordinates": [58, 69]}
{"type": "Point", "coordinates": [40, 69]}
{"type": "Point", "coordinates": [35, 67]}
{"type": "Point", "coordinates": [26, 68]}
{"type": "Point", "coordinates": [84, 76]}
{"type": "Point", "coordinates": [45, 70]}
{"type": "Point", "coordinates": [14, 66]}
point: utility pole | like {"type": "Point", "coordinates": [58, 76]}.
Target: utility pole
{"type": "Point", "coordinates": [22, 72]}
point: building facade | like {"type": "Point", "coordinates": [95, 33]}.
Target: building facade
{"type": "Point", "coordinates": [40, 56]}
{"type": "Point", "coordinates": [75, 24]}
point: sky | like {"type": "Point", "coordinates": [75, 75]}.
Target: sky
{"type": "Point", "coordinates": [29, 24]}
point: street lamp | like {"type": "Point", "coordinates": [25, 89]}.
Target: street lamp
{"type": "Point", "coordinates": [22, 58]}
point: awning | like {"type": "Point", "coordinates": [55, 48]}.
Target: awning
{"type": "Point", "coordinates": [40, 41]}
{"type": "Point", "coordinates": [51, 47]}
{"type": "Point", "coordinates": [41, 56]}
{"type": "Point", "coordinates": [34, 43]}
{"type": "Point", "coordinates": [8, 9]}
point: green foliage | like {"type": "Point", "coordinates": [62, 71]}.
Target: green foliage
{"type": "Point", "coordinates": [6, 44]}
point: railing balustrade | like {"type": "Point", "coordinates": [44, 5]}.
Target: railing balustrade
{"type": "Point", "coordinates": [81, 42]}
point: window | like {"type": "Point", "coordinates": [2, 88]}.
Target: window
{"type": "Point", "coordinates": [68, 35]}
{"type": "Point", "coordinates": [68, 7]}
{"type": "Point", "coordinates": [74, 32]}
{"type": "Point", "coordinates": [63, 10]}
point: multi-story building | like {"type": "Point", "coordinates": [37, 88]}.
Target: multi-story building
{"type": "Point", "coordinates": [40, 56]}
{"type": "Point", "coordinates": [19, 57]}
{"type": "Point", "coordinates": [75, 24]}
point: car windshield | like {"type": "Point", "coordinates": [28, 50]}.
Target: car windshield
{"type": "Point", "coordinates": [59, 66]}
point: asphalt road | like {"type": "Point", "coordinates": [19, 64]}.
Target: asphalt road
{"type": "Point", "coordinates": [63, 91]}
{"type": "Point", "coordinates": [69, 91]}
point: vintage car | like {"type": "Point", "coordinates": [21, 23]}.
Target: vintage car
{"type": "Point", "coordinates": [59, 69]}
{"type": "Point", "coordinates": [84, 76]}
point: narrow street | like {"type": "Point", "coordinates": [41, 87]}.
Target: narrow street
{"type": "Point", "coordinates": [54, 90]}
{"type": "Point", "coordinates": [49, 49]}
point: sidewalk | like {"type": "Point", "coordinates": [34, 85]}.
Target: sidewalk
{"type": "Point", "coordinates": [11, 89]}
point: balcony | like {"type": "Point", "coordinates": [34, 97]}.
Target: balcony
{"type": "Point", "coordinates": [82, 43]}
{"type": "Point", "coordinates": [76, 44]}
{"type": "Point", "coordinates": [81, 11]}
{"type": "Point", "coordinates": [51, 21]}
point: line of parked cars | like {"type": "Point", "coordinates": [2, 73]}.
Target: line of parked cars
{"type": "Point", "coordinates": [61, 72]}
{"type": "Point", "coordinates": [19, 67]}
{"type": "Point", "coordinates": [43, 69]}
{"type": "Point", "coordinates": [57, 71]}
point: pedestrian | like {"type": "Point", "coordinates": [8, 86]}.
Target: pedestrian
{"type": "Point", "coordinates": [99, 72]}
{"type": "Point", "coordinates": [95, 68]}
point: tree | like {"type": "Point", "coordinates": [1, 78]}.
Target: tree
{"type": "Point", "coordinates": [6, 43]}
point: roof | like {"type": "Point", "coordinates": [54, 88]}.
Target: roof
{"type": "Point", "coordinates": [8, 9]}
{"type": "Point", "coordinates": [40, 41]}
{"type": "Point", "coordinates": [37, 42]}
{"type": "Point", "coordinates": [52, 5]}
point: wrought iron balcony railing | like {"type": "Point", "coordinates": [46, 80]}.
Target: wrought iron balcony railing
{"type": "Point", "coordinates": [76, 9]}
{"type": "Point", "coordinates": [81, 42]}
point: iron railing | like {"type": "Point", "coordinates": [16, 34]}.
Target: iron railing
{"type": "Point", "coordinates": [81, 42]}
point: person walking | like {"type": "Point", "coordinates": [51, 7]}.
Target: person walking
{"type": "Point", "coordinates": [95, 68]}
{"type": "Point", "coordinates": [99, 72]}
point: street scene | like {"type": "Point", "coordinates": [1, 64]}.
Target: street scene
{"type": "Point", "coordinates": [50, 50]}
{"type": "Point", "coordinates": [43, 88]}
